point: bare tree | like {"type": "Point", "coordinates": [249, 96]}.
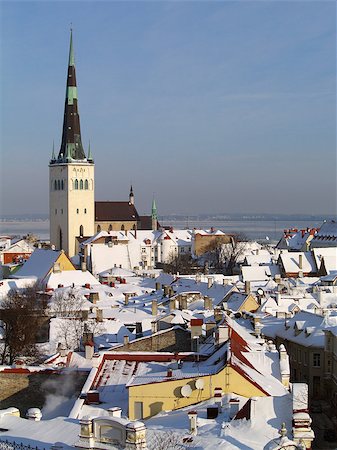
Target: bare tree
{"type": "Point", "coordinates": [224, 257]}
{"type": "Point", "coordinates": [181, 263]}
{"type": "Point", "coordinates": [21, 312]}
{"type": "Point", "coordinates": [68, 307]}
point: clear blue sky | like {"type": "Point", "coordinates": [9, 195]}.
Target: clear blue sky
{"type": "Point", "coordinates": [212, 106]}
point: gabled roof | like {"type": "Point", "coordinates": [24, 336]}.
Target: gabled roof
{"type": "Point", "coordinates": [291, 262]}
{"type": "Point", "coordinates": [115, 212]}
{"type": "Point", "coordinates": [39, 264]}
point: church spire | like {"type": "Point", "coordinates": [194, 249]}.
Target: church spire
{"type": "Point", "coordinates": [71, 145]}
{"type": "Point", "coordinates": [131, 196]}
{"type": "Point", "coordinates": [90, 158]}
{"type": "Point", "coordinates": [154, 215]}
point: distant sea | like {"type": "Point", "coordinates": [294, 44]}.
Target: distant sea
{"type": "Point", "coordinates": [257, 228]}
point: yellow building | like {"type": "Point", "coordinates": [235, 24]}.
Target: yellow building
{"type": "Point", "coordinates": [233, 369]}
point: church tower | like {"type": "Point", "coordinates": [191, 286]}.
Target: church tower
{"type": "Point", "coordinates": [71, 176]}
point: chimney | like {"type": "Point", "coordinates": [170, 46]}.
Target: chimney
{"type": "Point", "coordinates": [126, 340]}
{"type": "Point", "coordinates": [218, 314]}
{"type": "Point", "coordinates": [300, 261]}
{"type": "Point", "coordinates": [210, 327]}
{"type": "Point", "coordinates": [183, 302]}
{"type": "Point", "coordinates": [92, 397]}
{"type": "Point", "coordinates": [207, 302]}
{"type": "Point", "coordinates": [222, 334]}
{"type": "Point", "coordinates": [196, 327]}
{"type": "Point", "coordinates": [225, 281]}
{"type": "Point", "coordinates": [34, 414]}
{"type": "Point", "coordinates": [154, 307]}
{"type": "Point", "coordinates": [154, 326]}
{"type": "Point", "coordinates": [115, 411]}
{"type": "Point", "coordinates": [89, 350]}
{"type": "Point", "coordinates": [99, 315]}
{"type": "Point", "coordinates": [169, 373]}
{"type": "Point", "coordinates": [126, 298]}
{"type": "Point", "coordinates": [284, 366]}
{"type": "Point", "coordinates": [218, 398]}
{"type": "Point", "coordinates": [210, 281]}
{"type": "Point", "coordinates": [172, 304]}
{"type": "Point", "coordinates": [93, 297]}
{"type": "Point", "coordinates": [247, 287]}
{"type": "Point", "coordinates": [234, 407]}
{"type": "Point", "coordinates": [198, 278]}
{"type": "Point", "coordinates": [158, 286]}
{"type": "Point", "coordinates": [192, 415]}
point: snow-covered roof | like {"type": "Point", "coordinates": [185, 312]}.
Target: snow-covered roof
{"type": "Point", "coordinates": [259, 273]}
{"type": "Point", "coordinates": [70, 278]}
{"type": "Point", "coordinates": [39, 264]}
{"type": "Point", "coordinates": [291, 262]}
{"type": "Point", "coordinates": [305, 328]}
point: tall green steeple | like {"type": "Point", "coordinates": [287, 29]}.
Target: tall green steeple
{"type": "Point", "coordinates": [154, 210]}
{"type": "Point", "coordinates": [71, 145]}
{"type": "Point", "coordinates": [154, 215]}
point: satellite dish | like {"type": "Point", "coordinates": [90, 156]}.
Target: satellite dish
{"type": "Point", "coordinates": [199, 383]}
{"type": "Point", "coordinates": [186, 390]}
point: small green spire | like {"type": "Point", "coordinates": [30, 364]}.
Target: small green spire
{"type": "Point", "coordinates": [90, 158]}
{"type": "Point", "coordinates": [53, 157]}
{"type": "Point", "coordinates": [71, 50]}
{"type": "Point", "coordinates": [154, 210]}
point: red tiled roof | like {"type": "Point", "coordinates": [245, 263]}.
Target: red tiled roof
{"type": "Point", "coordinates": [115, 212]}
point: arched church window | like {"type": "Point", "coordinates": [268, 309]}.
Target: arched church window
{"type": "Point", "coordinates": [98, 228]}
{"type": "Point", "coordinates": [86, 185]}
{"type": "Point", "coordinates": [123, 227]}
{"type": "Point", "coordinates": [59, 185]}
{"type": "Point", "coordinates": [81, 230]}
{"type": "Point", "coordinates": [76, 184]}
{"type": "Point", "coordinates": [62, 185]}
{"type": "Point", "coordinates": [110, 227]}
{"type": "Point", "coordinates": [55, 185]}
{"type": "Point", "coordinates": [81, 184]}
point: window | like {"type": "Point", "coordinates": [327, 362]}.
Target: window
{"type": "Point", "coordinates": [85, 210]}
{"type": "Point", "coordinates": [122, 228]}
{"type": "Point", "coordinates": [62, 185]}
{"type": "Point", "coordinates": [59, 185]}
{"type": "Point", "coordinates": [81, 184]}
{"type": "Point", "coordinates": [55, 185]}
{"type": "Point", "coordinates": [55, 211]}
{"type": "Point", "coordinates": [81, 230]}
{"type": "Point", "coordinates": [76, 184]}
{"type": "Point", "coordinates": [61, 211]}
{"type": "Point", "coordinates": [316, 360]}
{"type": "Point", "coordinates": [110, 227]}
{"type": "Point", "coordinates": [77, 211]}
{"type": "Point", "coordinates": [299, 356]}
{"type": "Point", "coordinates": [98, 228]}
{"type": "Point", "coordinates": [86, 185]}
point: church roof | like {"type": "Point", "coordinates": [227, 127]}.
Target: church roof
{"type": "Point", "coordinates": [115, 212]}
